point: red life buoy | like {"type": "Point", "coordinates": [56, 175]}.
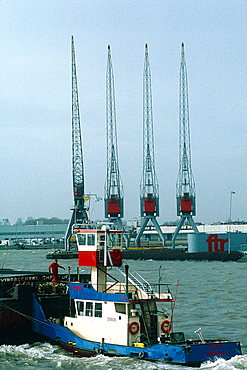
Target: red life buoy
{"type": "Point", "coordinates": [166, 326]}
{"type": "Point", "coordinates": [134, 327]}
{"type": "Point", "coordinates": [116, 254]}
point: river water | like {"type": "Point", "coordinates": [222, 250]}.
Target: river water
{"type": "Point", "coordinates": [210, 296]}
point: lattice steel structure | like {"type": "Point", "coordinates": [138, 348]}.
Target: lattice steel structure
{"type": "Point", "coordinates": [149, 188]}
{"type": "Point", "coordinates": [79, 215]}
{"type": "Point", "coordinates": [113, 185]}
{"type": "Point", "coordinates": [185, 192]}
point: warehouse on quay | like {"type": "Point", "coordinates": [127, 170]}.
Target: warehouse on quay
{"type": "Point", "coordinates": [21, 235]}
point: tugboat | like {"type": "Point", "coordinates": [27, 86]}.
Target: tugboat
{"type": "Point", "coordinates": [102, 315]}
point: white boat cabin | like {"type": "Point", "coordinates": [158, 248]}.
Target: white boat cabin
{"type": "Point", "coordinates": [123, 313]}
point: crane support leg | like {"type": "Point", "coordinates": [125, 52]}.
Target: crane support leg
{"type": "Point", "coordinates": [193, 225]}
{"type": "Point", "coordinates": [157, 226]}
{"type": "Point", "coordinates": [178, 228]}
{"type": "Point", "coordinates": [180, 224]}
{"type": "Point", "coordinates": [143, 226]}
{"type": "Point", "coordinates": [69, 231]}
{"type": "Point", "coordinates": [117, 223]}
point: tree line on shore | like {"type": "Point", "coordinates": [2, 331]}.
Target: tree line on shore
{"type": "Point", "coordinates": [41, 221]}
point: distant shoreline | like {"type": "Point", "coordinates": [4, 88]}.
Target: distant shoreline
{"type": "Point", "coordinates": [31, 247]}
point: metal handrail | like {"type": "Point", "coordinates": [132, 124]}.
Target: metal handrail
{"type": "Point", "coordinates": [138, 282]}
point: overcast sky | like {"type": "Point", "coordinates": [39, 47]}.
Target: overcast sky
{"type": "Point", "coordinates": [35, 85]}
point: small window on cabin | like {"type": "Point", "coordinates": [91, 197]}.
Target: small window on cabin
{"type": "Point", "coordinates": [120, 308]}
{"type": "Point", "coordinates": [91, 239]}
{"type": "Point", "coordinates": [102, 240]}
{"type": "Point", "coordinates": [98, 310]}
{"type": "Point", "coordinates": [81, 239]}
{"type": "Point", "coordinates": [89, 309]}
{"type": "Point", "coordinates": [80, 308]}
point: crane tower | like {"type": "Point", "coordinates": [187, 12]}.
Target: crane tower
{"type": "Point", "coordinates": [113, 185]}
{"type": "Point", "coordinates": [185, 193]}
{"type": "Point", "coordinates": [79, 215]}
{"type": "Point", "coordinates": [149, 188]}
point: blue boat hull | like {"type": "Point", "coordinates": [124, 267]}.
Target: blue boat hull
{"type": "Point", "coordinates": [187, 353]}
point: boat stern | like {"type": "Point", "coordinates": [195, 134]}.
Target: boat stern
{"type": "Point", "coordinates": [202, 352]}
{"type": "Point", "coordinates": [191, 353]}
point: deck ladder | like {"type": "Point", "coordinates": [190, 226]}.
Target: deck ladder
{"type": "Point", "coordinates": [137, 280]}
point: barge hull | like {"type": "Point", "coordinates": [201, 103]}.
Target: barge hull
{"type": "Point", "coordinates": [160, 254]}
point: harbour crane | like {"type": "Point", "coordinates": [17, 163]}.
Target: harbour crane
{"type": "Point", "coordinates": [79, 215]}
{"type": "Point", "coordinates": [113, 185]}
{"type": "Point", "coordinates": [149, 188]}
{"type": "Point", "coordinates": [185, 189]}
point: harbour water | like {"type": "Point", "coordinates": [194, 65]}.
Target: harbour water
{"type": "Point", "coordinates": [210, 296]}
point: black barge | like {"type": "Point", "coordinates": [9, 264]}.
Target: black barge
{"type": "Point", "coordinates": [159, 254]}
{"type": "Point", "coordinates": [16, 297]}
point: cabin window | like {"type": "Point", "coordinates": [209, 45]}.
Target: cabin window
{"type": "Point", "coordinates": [120, 308]}
{"type": "Point", "coordinates": [91, 239]}
{"type": "Point", "coordinates": [81, 239]}
{"type": "Point", "coordinates": [102, 240]}
{"type": "Point", "coordinates": [80, 308]}
{"type": "Point", "coordinates": [98, 310]}
{"type": "Point", "coordinates": [89, 309]}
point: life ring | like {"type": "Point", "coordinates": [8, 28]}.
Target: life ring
{"type": "Point", "coordinates": [166, 326]}
{"type": "Point", "coordinates": [116, 254]}
{"type": "Point", "coordinates": [134, 327]}
{"type": "Point", "coordinates": [141, 354]}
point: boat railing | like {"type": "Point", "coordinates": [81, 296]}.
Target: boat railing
{"type": "Point", "coordinates": [138, 281]}
{"type": "Point", "coordinates": [158, 291]}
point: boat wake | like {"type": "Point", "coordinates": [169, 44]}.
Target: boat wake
{"type": "Point", "coordinates": [46, 356]}
{"type": "Point", "coordinates": [235, 363]}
